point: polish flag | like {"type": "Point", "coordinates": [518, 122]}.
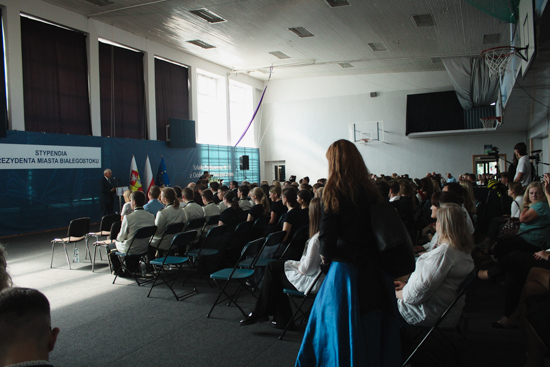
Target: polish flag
{"type": "Point", "coordinates": [148, 177]}
{"type": "Point", "coordinates": [135, 181]}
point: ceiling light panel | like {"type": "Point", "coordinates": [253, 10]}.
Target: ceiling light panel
{"type": "Point", "coordinates": [337, 3]}
{"type": "Point", "coordinates": [423, 20]}
{"type": "Point", "coordinates": [280, 55]}
{"type": "Point", "coordinates": [301, 32]}
{"type": "Point", "coordinates": [345, 65]}
{"type": "Point", "coordinates": [377, 47]}
{"type": "Point", "coordinates": [201, 44]}
{"type": "Point", "coordinates": [207, 15]}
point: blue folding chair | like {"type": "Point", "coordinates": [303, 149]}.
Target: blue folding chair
{"type": "Point", "coordinates": [141, 234]}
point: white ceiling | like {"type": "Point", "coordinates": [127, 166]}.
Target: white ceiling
{"type": "Point", "coordinates": [253, 28]}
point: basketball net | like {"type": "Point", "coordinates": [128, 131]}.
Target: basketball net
{"type": "Point", "coordinates": [498, 59]}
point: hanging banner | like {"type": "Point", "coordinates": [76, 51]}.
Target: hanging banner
{"type": "Point", "coordinates": [22, 156]}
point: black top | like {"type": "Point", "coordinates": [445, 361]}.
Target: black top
{"type": "Point", "coordinates": [257, 211]}
{"type": "Point", "coordinates": [297, 218]}
{"type": "Point", "coordinates": [278, 208]}
{"type": "Point", "coordinates": [231, 216]}
{"type": "Point", "coordinates": [105, 193]}
{"type": "Point", "coordinates": [348, 237]}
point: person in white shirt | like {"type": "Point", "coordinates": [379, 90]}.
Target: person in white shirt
{"type": "Point", "coordinates": [191, 209]}
{"type": "Point", "coordinates": [131, 223]}
{"type": "Point", "coordinates": [439, 273]}
{"type": "Point", "coordinates": [523, 170]}
{"type": "Point", "coordinates": [209, 207]}
{"type": "Point", "coordinates": [170, 214]}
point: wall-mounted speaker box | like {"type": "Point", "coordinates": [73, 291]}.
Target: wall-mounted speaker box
{"type": "Point", "coordinates": [182, 133]}
{"type": "Point", "coordinates": [243, 159]}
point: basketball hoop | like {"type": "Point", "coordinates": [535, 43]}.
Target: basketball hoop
{"type": "Point", "coordinates": [490, 122]}
{"type": "Point", "coordinates": [498, 59]}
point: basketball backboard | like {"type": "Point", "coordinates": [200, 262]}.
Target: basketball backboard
{"type": "Point", "coordinates": [526, 28]}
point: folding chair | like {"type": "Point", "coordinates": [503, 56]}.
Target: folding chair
{"type": "Point", "coordinates": [209, 248]}
{"type": "Point", "coordinates": [305, 295]}
{"type": "Point", "coordinates": [259, 227]}
{"type": "Point", "coordinates": [170, 230]}
{"type": "Point", "coordinates": [196, 225]}
{"type": "Point", "coordinates": [75, 233]}
{"type": "Point", "coordinates": [272, 243]}
{"type": "Point", "coordinates": [241, 236]}
{"type": "Point", "coordinates": [164, 264]}
{"type": "Point", "coordinates": [113, 233]}
{"type": "Point", "coordinates": [295, 247]}
{"type": "Point", "coordinates": [141, 234]}
{"type": "Point", "coordinates": [251, 249]}
{"type": "Point", "coordinates": [104, 230]}
{"type": "Point", "coordinates": [463, 286]}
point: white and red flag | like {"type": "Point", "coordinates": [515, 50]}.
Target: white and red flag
{"type": "Point", "coordinates": [148, 177]}
{"type": "Point", "coordinates": [135, 181]}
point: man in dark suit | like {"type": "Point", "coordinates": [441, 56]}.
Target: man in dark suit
{"type": "Point", "coordinates": [107, 193]}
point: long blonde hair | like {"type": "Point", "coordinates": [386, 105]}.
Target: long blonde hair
{"type": "Point", "coordinates": [453, 228]}
{"type": "Point", "coordinates": [527, 200]}
{"type": "Point", "coordinates": [349, 178]}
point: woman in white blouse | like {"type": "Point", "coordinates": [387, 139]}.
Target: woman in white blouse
{"type": "Point", "coordinates": [171, 213]}
{"type": "Point", "coordinates": [434, 284]}
{"type": "Point", "coordinates": [291, 274]}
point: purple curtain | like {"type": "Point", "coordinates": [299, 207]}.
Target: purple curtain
{"type": "Point", "coordinates": [122, 93]}
{"type": "Point", "coordinates": [171, 94]}
{"type": "Point", "coordinates": [55, 79]}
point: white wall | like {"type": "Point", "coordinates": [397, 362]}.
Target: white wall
{"type": "Point", "coordinates": [302, 117]}
{"type": "Point", "coordinates": [94, 29]}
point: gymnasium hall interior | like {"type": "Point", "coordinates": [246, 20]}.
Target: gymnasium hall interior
{"type": "Point", "coordinates": [250, 91]}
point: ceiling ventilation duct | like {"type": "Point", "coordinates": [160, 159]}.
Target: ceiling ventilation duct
{"type": "Point", "coordinates": [345, 65]}
{"type": "Point", "coordinates": [301, 32]}
{"type": "Point", "coordinates": [207, 15]}
{"type": "Point", "coordinates": [423, 20]}
{"type": "Point", "coordinates": [280, 55]}
{"type": "Point", "coordinates": [201, 44]}
{"type": "Point", "coordinates": [491, 39]}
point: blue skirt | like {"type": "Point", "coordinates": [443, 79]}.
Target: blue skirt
{"type": "Point", "coordinates": [338, 335]}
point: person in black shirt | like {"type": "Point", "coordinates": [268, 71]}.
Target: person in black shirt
{"type": "Point", "coordinates": [233, 214]}
{"type": "Point", "coordinates": [261, 209]}
{"type": "Point", "coordinates": [295, 218]}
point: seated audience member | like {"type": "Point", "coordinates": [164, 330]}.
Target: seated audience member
{"type": "Point", "coordinates": [394, 197]}
{"type": "Point", "coordinates": [515, 191]}
{"type": "Point", "coordinates": [316, 186]}
{"type": "Point", "coordinates": [504, 178]}
{"type": "Point", "coordinates": [222, 190]}
{"type": "Point", "coordinates": [130, 224]}
{"type": "Point", "coordinates": [294, 218]}
{"type": "Point", "coordinates": [234, 185]}
{"type": "Point", "coordinates": [277, 206]}
{"type": "Point", "coordinates": [179, 195]}
{"type": "Point", "coordinates": [214, 186]}
{"type": "Point", "coordinates": [197, 190]}
{"type": "Point", "coordinates": [450, 178]}
{"type": "Point", "coordinates": [535, 224]}
{"type": "Point", "coordinates": [127, 207]}
{"type": "Point", "coordinates": [465, 199]}
{"type": "Point", "coordinates": [265, 189]}
{"type": "Point", "coordinates": [290, 274]}
{"type": "Point", "coordinates": [439, 273]}
{"type": "Point", "coordinates": [304, 198]}
{"type": "Point", "coordinates": [261, 205]}
{"type": "Point", "coordinates": [244, 203]}
{"type": "Point", "coordinates": [26, 336]}
{"type": "Point", "coordinates": [384, 188]}
{"type": "Point", "coordinates": [209, 208]}
{"type": "Point", "coordinates": [319, 192]}
{"type": "Point", "coordinates": [233, 215]}
{"type": "Point", "coordinates": [5, 279]}
{"type": "Point", "coordinates": [154, 205]}
{"type": "Point", "coordinates": [170, 214]}
{"type": "Point", "coordinates": [192, 209]}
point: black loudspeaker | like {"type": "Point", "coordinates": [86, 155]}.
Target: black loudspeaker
{"type": "Point", "coordinates": [243, 159]}
{"type": "Point", "coordinates": [182, 133]}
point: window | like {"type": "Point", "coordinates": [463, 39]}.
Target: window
{"type": "Point", "coordinates": [55, 79]}
{"type": "Point", "coordinates": [223, 162]}
{"type": "Point", "coordinates": [3, 86]}
{"type": "Point", "coordinates": [240, 113]}
{"type": "Point", "coordinates": [171, 94]}
{"type": "Point", "coordinates": [212, 113]}
{"type": "Point", "coordinates": [122, 92]}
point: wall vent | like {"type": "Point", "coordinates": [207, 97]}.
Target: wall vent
{"type": "Point", "coordinates": [101, 2]}
{"type": "Point", "coordinates": [280, 55]}
{"type": "Point", "coordinates": [301, 32]}
{"type": "Point", "coordinates": [377, 46]}
{"type": "Point", "coordinates": [491, 38]}
{"type": "Point", "coordinates": [201, 44]}
{"type": "Point", "coordinates": [207, 15]}
{"type": "Point", "coordinates": [423, 20]}
{"type": "Point", "coordinates": [436, 60]}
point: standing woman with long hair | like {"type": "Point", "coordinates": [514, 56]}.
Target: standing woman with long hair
{"type": "Point", "coordinates": [353, 321]}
